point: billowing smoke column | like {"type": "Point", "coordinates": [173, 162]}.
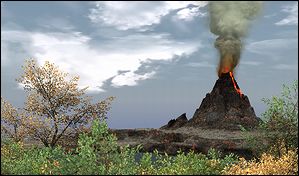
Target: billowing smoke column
{"type": "Point", "coordinates": [230, 21]}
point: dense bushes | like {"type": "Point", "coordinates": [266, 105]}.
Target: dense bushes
{"type": "Point", "coordinates": [97, 153]}
{"type": "Point", "coordinates": [281, 118]}
{"type": "Point", "coordinates": [286, 164]}
{"type": "Point", "coordinates": [279, 127]}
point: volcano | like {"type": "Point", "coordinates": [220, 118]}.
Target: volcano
{"type": "Point", "coordinates": [225, 107]}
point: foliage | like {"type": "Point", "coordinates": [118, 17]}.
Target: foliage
{"type": "Point", "coordinates": [11, 122]}
{"type": "Point", "coordinates": [55, 105]}
{"type": "Point", "coordinates": [286, 164]}
{"type": "Point", "coordinates": [98, 154]}
{"type": "Point", "coordinates": [191, 163]}
{"type": "Point", "coordinates": [280, 125]}
{"type": "Point", "coordinates": [124, 163]}
{"type": "Point", "coordinates": [17, 160]}
{"type": "Point", "coordinates": [282, 117]}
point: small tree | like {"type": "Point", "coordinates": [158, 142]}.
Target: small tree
{"type": "Point", "coordinates": [279, 128]}
{"type": "Point", "coordinates": [11, 122]}
{"type": "Point", "coordinates": [281, 118]}
{"type": "Point", "coordinates": [55, 105]}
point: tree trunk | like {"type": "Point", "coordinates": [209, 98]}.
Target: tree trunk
{"type": "Point", "coordinates": [46, 144]}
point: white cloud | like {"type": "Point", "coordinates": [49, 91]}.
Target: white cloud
{"type": "Point", "coordinates": [138, 14]}
{"type": "Point", "coordinates": [73, 53]}
{"type": "Point", "coordinates": [292, 18]}
{"type": "Point", "coordinates": [11, 46]}
{"type": "Point", "coordinates": [130, 79]}
{"type": "Point", "coordinates": [188, 14]}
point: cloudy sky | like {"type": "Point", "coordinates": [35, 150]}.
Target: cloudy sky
{"type": "Point", "coordinates": [157, 58]}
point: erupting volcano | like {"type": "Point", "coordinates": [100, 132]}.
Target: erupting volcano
{"type": "Point", "coordinates": [235, 84]}
{"type": "Point", "coordinates": [225, 107]}
{"type": "Point", "coordinates": [225, 67]}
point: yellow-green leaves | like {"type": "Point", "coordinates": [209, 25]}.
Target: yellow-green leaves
{"type": "Point", "coordinates": [11, 121]}
{"type": "Point", "coordinates": [55, 102]}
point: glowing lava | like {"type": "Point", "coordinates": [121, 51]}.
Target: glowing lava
{"type": "Point", "coordinates": [235, 85]}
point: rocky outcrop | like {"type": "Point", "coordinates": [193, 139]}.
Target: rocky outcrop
{"type": "Point", "coordinates": [215, 124]}
{"type": "Point", "coordinates": [223, 108]}
{"type": "Point", "coordinates": [176, 123]}
{"type": "Point", "coordinates": [185, 139]}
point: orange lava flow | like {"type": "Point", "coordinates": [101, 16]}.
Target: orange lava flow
{"type": "Point", "coordinates": [235, 86]}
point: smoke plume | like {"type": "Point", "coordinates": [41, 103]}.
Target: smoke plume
{"type": "Point", "coordinates": [230, 20]}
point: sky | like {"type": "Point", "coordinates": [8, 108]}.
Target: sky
{"type": "Point", "coordinates": [156, 57]}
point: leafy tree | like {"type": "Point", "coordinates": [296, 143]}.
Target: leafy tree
{"type": "Point", "coordinates": [11, 122]}
{"type": "Point", "coordinates": [282, 117]}
{"type": "Point", "coordinates": [55, 105]}
{"type": "Point", "coordinates": [280, 122]}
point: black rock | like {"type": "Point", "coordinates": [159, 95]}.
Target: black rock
{"type": "Point", "coordinates": [176, 123]}
{"type": "Point", "coordinates": [224, 108]}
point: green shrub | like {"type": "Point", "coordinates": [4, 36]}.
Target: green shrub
{"type": "Point", "coordinates": [282, 117]}
{"type": "Point", "coordinates": [97, 150]}
{"type": "Point", "coordinates": [185, 163]}
{"type": "Point", "coordinates": [98, 154]}
{"type": "Point", "coordinates": [280, 123]}
{"type": "Point", "coordinates": [17, 160]}
{"type": "Point", "coordinates": [124, 163]}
